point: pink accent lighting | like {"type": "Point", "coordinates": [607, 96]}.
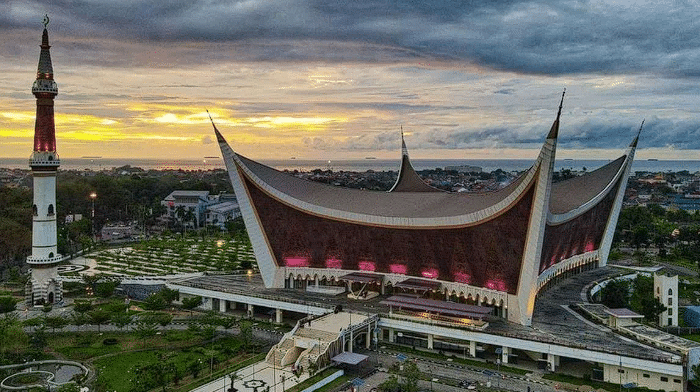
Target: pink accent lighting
{"type": "Point", "coordinates": [296, 261]}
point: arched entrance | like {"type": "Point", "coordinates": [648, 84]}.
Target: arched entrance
{"type": "Point", "coordinates": [50, 298]}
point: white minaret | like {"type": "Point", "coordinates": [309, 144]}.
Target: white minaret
{"type": "Point", "coordinates": [44, 285]}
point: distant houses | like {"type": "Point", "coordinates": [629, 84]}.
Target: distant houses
{"type": "Point", "coordinates": [195, 209]}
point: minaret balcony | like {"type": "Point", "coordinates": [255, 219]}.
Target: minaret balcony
{"type": "Point", "coordinates": [44, 86]}
{"type": "Point", "coordinates": [44, 159]}
{"type": "Point", "coordinates": [44, 260]}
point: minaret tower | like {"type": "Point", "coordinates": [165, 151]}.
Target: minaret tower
{"type": "Point", "coordinates": [44, 286]}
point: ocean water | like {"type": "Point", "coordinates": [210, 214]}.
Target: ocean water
{"type": "Point", "coordinates": [358, 165]}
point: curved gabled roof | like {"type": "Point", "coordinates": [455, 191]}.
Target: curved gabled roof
{"type": "Point", "coordinates": [297, 192]}
{"type": "Point", "coordinates": [575, 192]}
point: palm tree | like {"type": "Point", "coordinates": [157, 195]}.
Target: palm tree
{"type": "Point", "coordinates": [233, 377]}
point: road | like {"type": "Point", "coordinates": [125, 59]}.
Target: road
{"type": "Point", "coordinates": [446, 371]}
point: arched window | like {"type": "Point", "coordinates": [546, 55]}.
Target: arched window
{"type": "Point", "coordinates": [51, 255]}
{"type": "Point", "coordinates": [670, 291]}
{"type": "Point", "coordinates": [35, 210]}
{"type": "Point", "coordinates": [50, 209]}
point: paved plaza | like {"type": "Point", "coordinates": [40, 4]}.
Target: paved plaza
{"type": "Point", "coordinates": [256, 378]}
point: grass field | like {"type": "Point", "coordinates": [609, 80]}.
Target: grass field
{"type": "Point", "coordinates": [176, 255]}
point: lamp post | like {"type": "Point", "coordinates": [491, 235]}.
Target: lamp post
{"type": "Point", "coordinates": [93, 196]}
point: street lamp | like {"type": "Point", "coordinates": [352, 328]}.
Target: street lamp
{"type": "Point", "coordinates": [93, 196]}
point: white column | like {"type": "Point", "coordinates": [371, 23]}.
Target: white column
{"type": "Point", "coordinates": [430, 341]}
{"type": "Point", "coordinates": [392, 339]}
{"type": "Point", "coordinates": [369, 336]}
{"type": "Point", "coordinates": [553, 361]}
{"type": "Point", "coordinates": [222, 305]}
{"type": "Point", "coordinates": [505, 352]}
{"type": "Point", "coordinates": [250, 310]}
{"type": "Point", "coordinates": [350, 341]}
{"type": "Point", "coordinates": [278, 316]}
{"type": "Point", "coordinates": [472, 349]}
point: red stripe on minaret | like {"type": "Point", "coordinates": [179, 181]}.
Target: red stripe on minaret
{"type": "Point", "coordinates": [45, 91]}
{"type": "Point", "coordinates": [44, 127]}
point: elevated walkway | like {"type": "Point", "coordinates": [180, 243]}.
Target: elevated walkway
{"type": "Point", "coordinates": [317, 339]}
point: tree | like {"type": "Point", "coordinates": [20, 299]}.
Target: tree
{"type": "Point", "coordinates": [69, 388]}
{"type": "Point", "coordinates": [410, 375]}
{"type": "Point", "coordinates": [99, 317]}
{"type": "Point", "coordinates": [38, 339]}
{"type": "Point", "coordinates": [227, 322]}
{"type": "Point", "coordinates": [12, 336]}
{"type": "Point", "coordinates": [408, 382]}
{"type": "Point", "coordinates": [190, 303]}
{"type": "Point", "coordinates": [390, 385]}
{"type": "Point", "coordinates": [105, 288]}
{"type": "Point", "coordinates": [79, 319]}
{"type": "Point", "coordinates": [651, 308]}
{"type": "Point", "coordinates": [33, 322]}
{"type": "Point", "coordinates": [145, 328]}
{"type": "Point", "coordinates": [640, 236]}
{"type": "Point", "coordinates": [155, 301]}
{"type": "Point", "coordinates": [82, 306]}
{"type": "Point", "coordinates": [696, 374]}
{"type": "Point", "coordinates": [121, 319]}
{"type": "Point", "coordinates": [157, 318]}
{"type": "Point", "coordinates": [194, 368]}
{"type": "Point", "coordinates": [55, 322]}
{"type": "Point", "coordinates": [169, 295]}
{"type": "Point", "coordinates": [234, 376]}
{"type": "Point", "coordinates": [246, 333]}
{"type": "Point", "coordinates": [615, 294]}
{"type": "Point", "coordinates": [7, 304]}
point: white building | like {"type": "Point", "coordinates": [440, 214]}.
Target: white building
{"type": "Point", "coordinates": [666, 290]}
{"type": "Point", "coordinates": [193, 201]}
{"type": "Point", "coordinates": [218, 214]}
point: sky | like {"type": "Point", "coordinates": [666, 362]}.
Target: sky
{"type": "Point", "coordinates": [315, 79]}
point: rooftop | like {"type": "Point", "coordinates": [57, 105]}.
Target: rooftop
{"type": "Point", "coordinates": [623, 313]}
{"type": "Point", "coordinates": [553, 321]}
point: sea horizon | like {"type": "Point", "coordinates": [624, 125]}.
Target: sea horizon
{"type": "Point", "coordinates": [355, 165]}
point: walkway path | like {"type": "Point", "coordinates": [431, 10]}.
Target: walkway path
{"type": "Point", "coordinates": [256, 378]}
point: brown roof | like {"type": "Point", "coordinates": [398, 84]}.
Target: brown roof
{"type": "Point", "coordinates": [409, 181]}
{"type": "Point", "coordinates": [572, 193]}
{"type": "Point", "coordinates": [377, 203]}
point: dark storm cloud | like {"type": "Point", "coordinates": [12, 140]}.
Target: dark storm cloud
{"type": "Point", "coordinates": [529, 36]}
{"type": "Point", "coordinates": [657, 133]}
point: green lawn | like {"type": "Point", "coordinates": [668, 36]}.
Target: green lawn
{"type": "Point", "coordinates": [177, 255]}
{"type": "Point", "coordinates": [118, 371]}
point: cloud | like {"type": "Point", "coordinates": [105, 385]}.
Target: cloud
{"type": "Point", "coordinates": [526, 36]}
{"type": "Point", "coordinates": [657, 133]}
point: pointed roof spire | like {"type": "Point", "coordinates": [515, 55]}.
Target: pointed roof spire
{"type": "Point", "coordinates": [45, 69]}
{"type": "Point", "coordinates": [404, 150]}
{"type": "Point", "coordinates": [408, 180]}
{"type": "Point", "coordinates": [219, 137]}
{"type": "Point", "coordinates": [636, 139]}
{"type": "Point", "coordinates": [554, 132]}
